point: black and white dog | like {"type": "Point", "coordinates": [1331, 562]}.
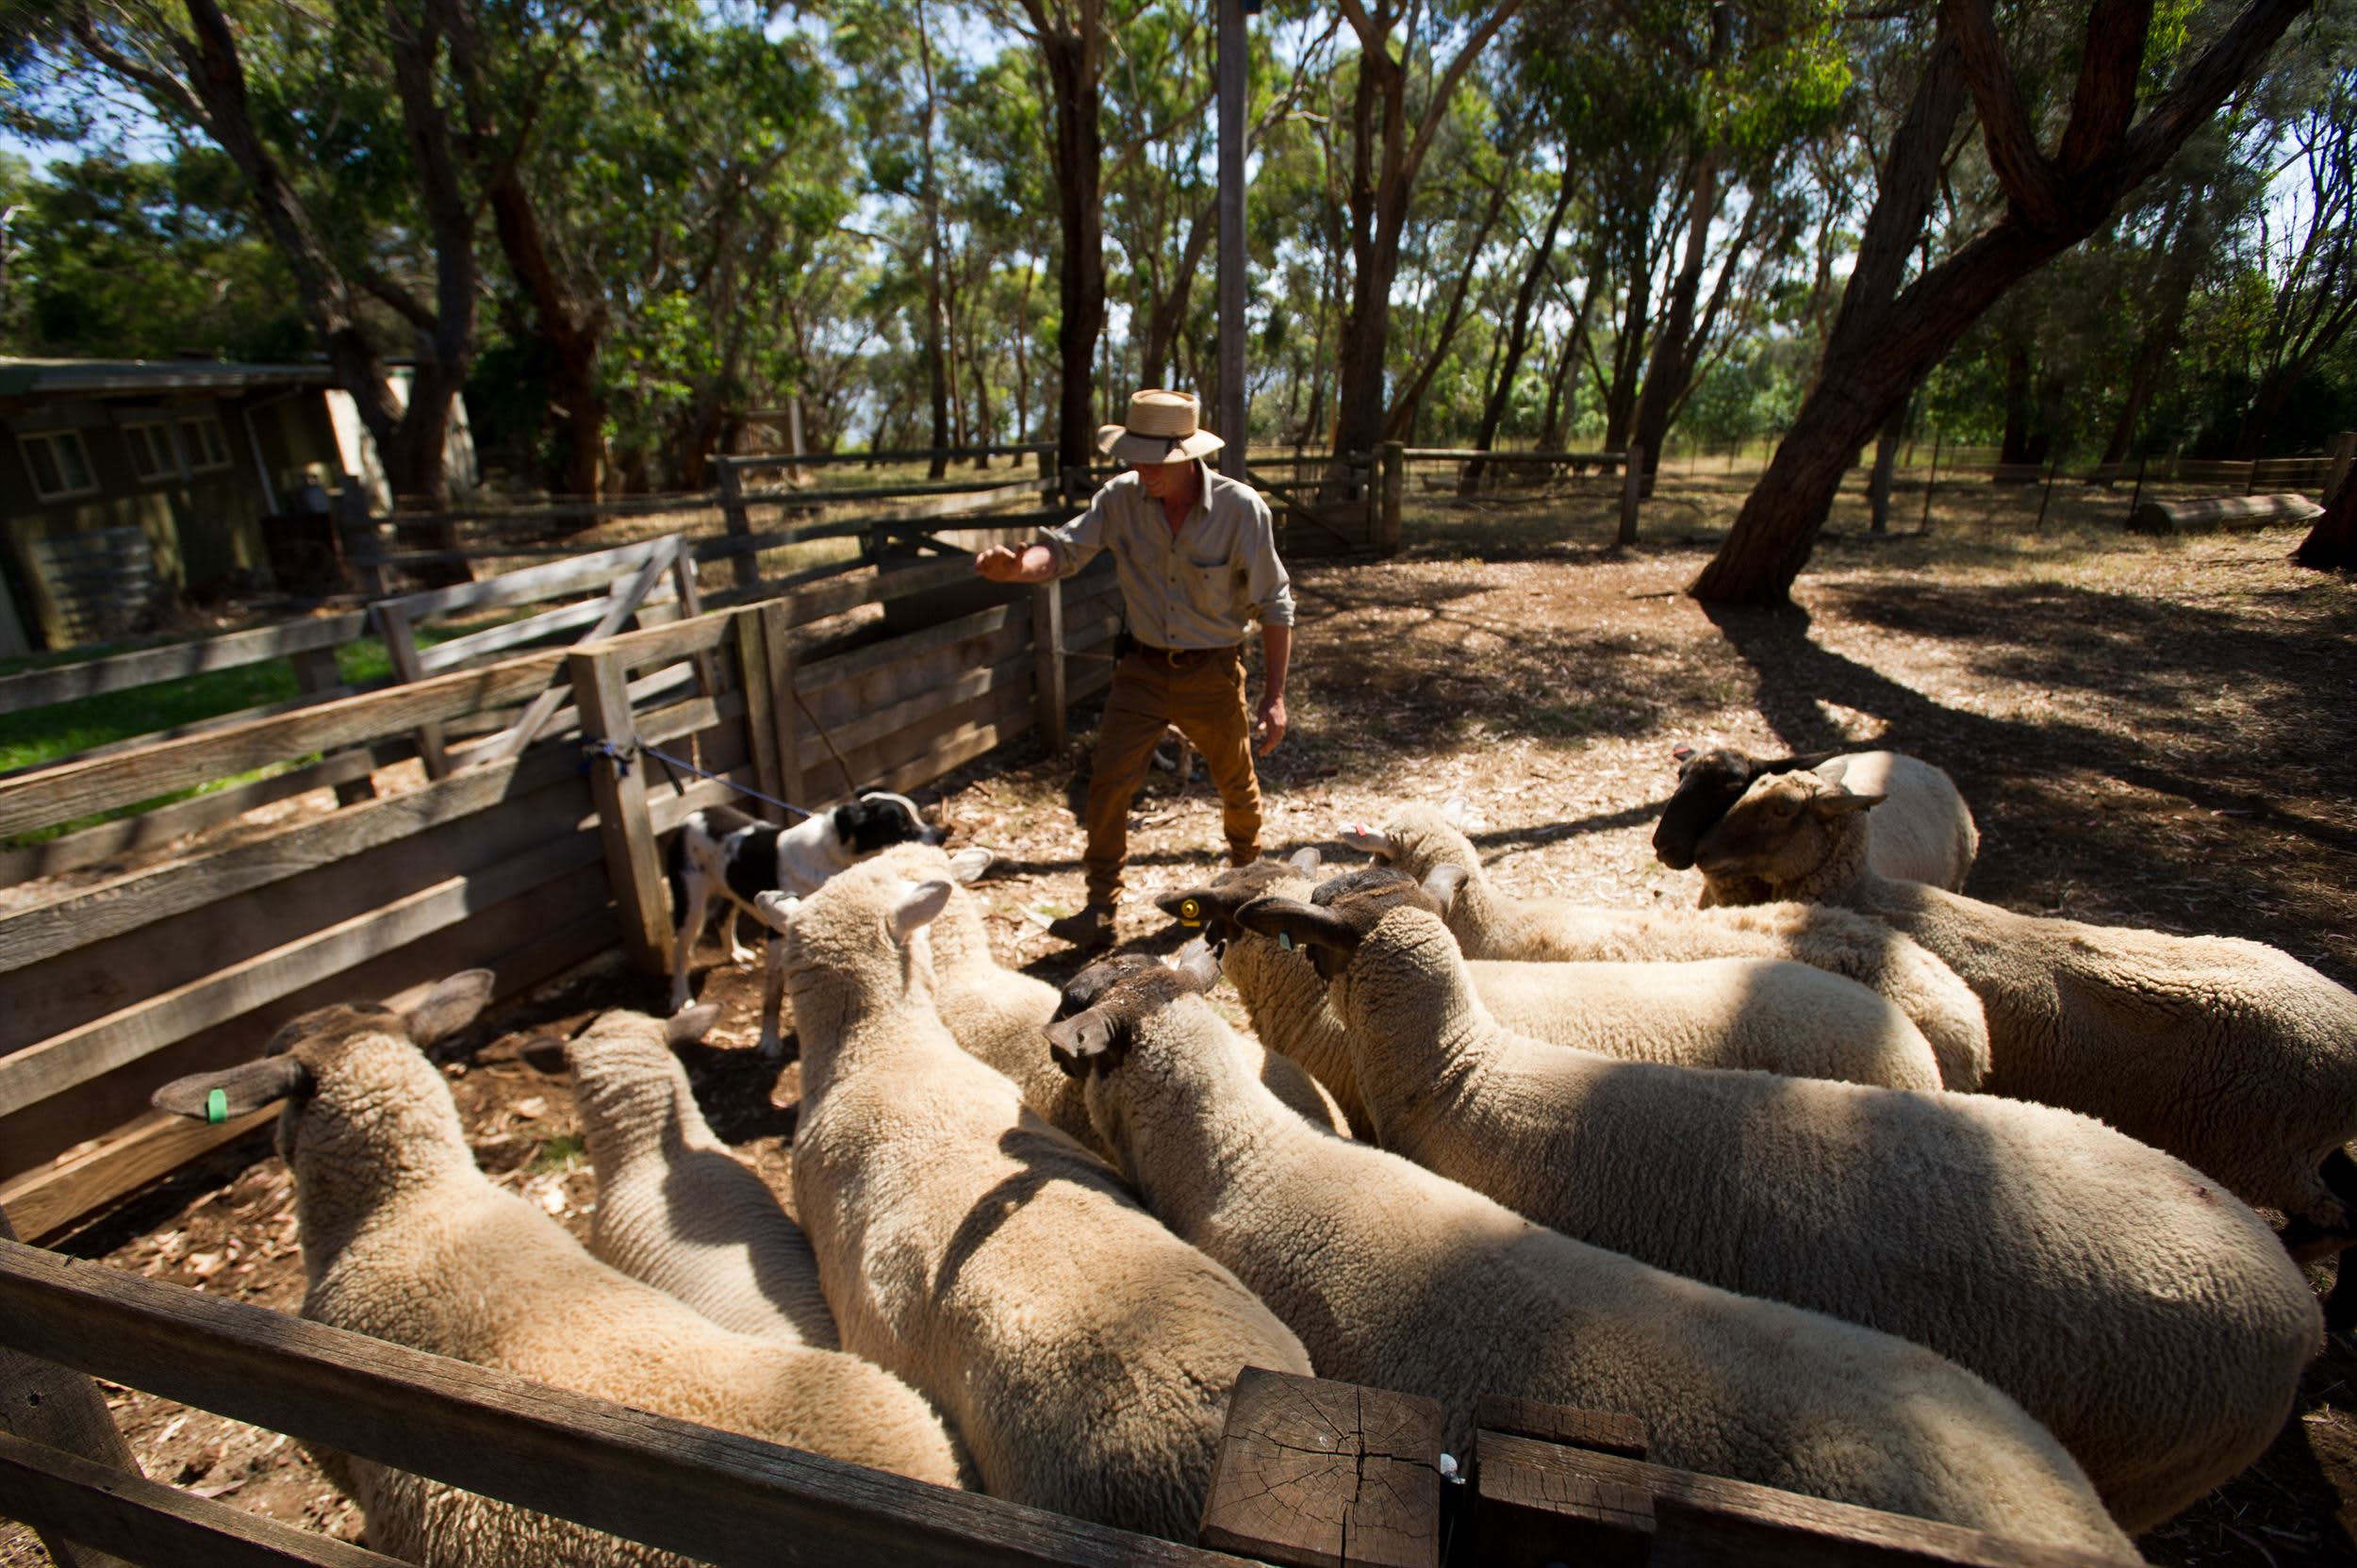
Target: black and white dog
{"type": "Point", "coordinates": [721, 853]}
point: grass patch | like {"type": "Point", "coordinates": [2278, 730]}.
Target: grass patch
{"type": "Point", "coordinates": [566, 1151]}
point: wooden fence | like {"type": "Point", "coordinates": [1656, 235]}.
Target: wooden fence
{"type": "Point", "coordinates": [117, 987]}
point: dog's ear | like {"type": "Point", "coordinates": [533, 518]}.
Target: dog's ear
{"type": "Point", "coordinates": [919, 906]}
{"type": "Point", "coordinates": [450, 1006]}
{"type": "Point", "coordinates": [1444, 883]}
{"type": "Point", "coordinates": [691, 1024]}
{"type": "Point", "coordinates": [247, 1087]}
{"type": "Point", "coordinates": [776, 909]}
{"type": "Point", "coordinates": [969, 864]}
{"type": "Point", "coordinates": [1307, 860]}
{"type": "Point", "coordinates": [1092, 1042]}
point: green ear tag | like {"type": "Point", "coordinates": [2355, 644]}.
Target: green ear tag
{"type": "Point", "coordinates": [216, 1107]}
{"type": "Point", "coordinates": [1285, 940]}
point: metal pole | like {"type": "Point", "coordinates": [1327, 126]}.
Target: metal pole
{"type": "Point", "coordinates": [1234, 84]}
{"type": "Point", "coordinates": [1930, 480]}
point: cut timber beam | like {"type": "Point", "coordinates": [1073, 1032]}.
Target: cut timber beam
{"type": "Point", "coordinates": [1312, 1473]}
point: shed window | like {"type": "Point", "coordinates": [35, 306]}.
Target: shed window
{"type": "Point", "coordinates": [201, 439]}
{"type": "Point", "coordinates": [151, 457]}
{"type": "Point", "coordinates": [61, 468]}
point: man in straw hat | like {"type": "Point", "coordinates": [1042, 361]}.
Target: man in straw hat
{"type": "Point", "coordinates": [1197, 558]}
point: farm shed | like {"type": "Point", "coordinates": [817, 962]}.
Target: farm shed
{"type": "Point", "coordinates": [124, 483]}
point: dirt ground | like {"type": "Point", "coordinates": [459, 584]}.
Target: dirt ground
{"type": "Point", "coordinates": [2155, 733]}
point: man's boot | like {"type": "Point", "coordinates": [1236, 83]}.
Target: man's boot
{"type": "Point", "coordinates": [1091, 926]}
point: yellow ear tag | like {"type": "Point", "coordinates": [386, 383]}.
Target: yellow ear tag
{"type": "Point", "coordinates": [216, 1107]}
{"type": "Point", "coordinates": [1189, 913]}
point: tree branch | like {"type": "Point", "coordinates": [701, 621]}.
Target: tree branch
{"type": "Point", "coordinates": [2104, 102]}
{"type": "Point", "coordinates": [2030, 181]}
{"type": "Point", "coordinates": [2203, 86]}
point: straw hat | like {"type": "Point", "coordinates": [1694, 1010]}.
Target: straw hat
{"type": "Point", "coordinates": [1162, 429]}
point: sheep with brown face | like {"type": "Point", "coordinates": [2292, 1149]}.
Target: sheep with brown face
{"type": "Point", "coordinates": [1400, 1279]}
{"type": "Point", "coordinates": [1491, 924]}
{"type": "Point", "coordinates": [2232, 1055]}
{"type": "Point", "coordinates": [1084, 1352]}
{"type": "Point", "coordinates": [1923, 832]}
{"type": "Point", "coordinates": [2138, 1310]}
{"type": "Point", "coordinates": [405, 1240]}
{"type": "Point", "coordinates": [1771, 1015]}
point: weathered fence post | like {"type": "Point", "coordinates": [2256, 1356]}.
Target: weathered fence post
{"type": "Point", "coordinates": [617, 782]}
{"type": "Point", "coordinates": [1311, 1471]}
{"type": "Point", "coordinates": [1047, 688]}
{"type": "Point", "coordinates": [315, 671]}
{"type": "Point", "coordinates": [2052, 464]}
{"type": "Point", "coordinates": [2342, 452]}
{"type": "Point", "coordinates": [1931, 479]}
{"type": "Point", "coordinates": [42, 1402]}
{"type": "Point", "coordinates": [1632, 488]}
{"type": "Point", "coordinates": [761, 709]}
{"type": "Point", "coordinates": [401, 648]}
{"type": "Point", "coordinates": [1394, 480]}
{"type": "Point", "coordinates": [744, 570]}
{"type": "Point", "coordinates": [2138, 496]}
{"type": "Point", "coordinates": [776, 647]}
{"type": "Point", "coordinates": [358, 532]}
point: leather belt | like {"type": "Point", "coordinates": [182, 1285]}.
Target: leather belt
{"type": "Point", "coordinates": [1181, 658]}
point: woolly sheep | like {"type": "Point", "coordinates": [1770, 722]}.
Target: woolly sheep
{"type": "Point", "coordinates": [1490, 925]}
{"type": "Point", "coordinates": [405, 1240]}
{"type": "Point", "coordinates": [2144, 1315]}
{"type": "Point", "coordinates": [2230, 1054]}
{"type": "Point", "coordinates": [1085, 1352]}
{"type": "Point", "coordinates": [1771, 1015]}
{"type": "Point", "coordinates": [1400, 1279]}
{"type": "Point", "coordinates": [675, 1209]}
{"type": "Point", "coordinates": [1924, 832]}
{"type": "Point", "coordinates": [995, 1014]}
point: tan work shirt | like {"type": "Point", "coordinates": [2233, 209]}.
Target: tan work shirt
{"type": "Point", "coordinates": [1194, 588]}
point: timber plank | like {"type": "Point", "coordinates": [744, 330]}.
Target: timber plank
{"type": "Point", "coordinates": [60, 795]}
{"type": "Point", "coordinates": [715, 1496]}
{"type": "Point", "coordinates": [1311, 1472]}
{"type": "Point", "coordinates": [77, 1055]}
{"type": "Point", "coordinates": [1605, 1431]}
{"type": "Point", "coordinates": [38, 688]}
{"type": "Point", "coordinates": [909, 645]}
{"type": "Point", "coordinates": [491, 639]}
{"type": "Point", "coordinates": [572, 574]}
{"type": "Point", "coordinates": [147, 1522]}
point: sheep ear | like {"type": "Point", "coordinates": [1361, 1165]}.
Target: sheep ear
{"type": "Point", "coordinates": [1453, 810]}
{"type": "Point", "coordinates": [691, 1024]}
{"type": "Point", "coordinates": [918, 908]}
{"type": "Point", "coordinates": [1372, 841]}
{"type": "Point", "coordinates": [1298, 925]}
{"type": "Point", "coordinates": [1092, 1042]}
{"type": "Point", "coordinates": [1842, 803]}
{"type": "Point", "coordinates": [1197, 964]}
{"type": "Point", "coordinates": [776, 909]}
{"type": "Point", "coordinates": [450, 1006]}
{"type": "Point", "coordinates": [967, 866]}
{"type": "Point", "coordinates": [1444, 882]}
{"type": "Point", "coordinates": [1307, 860]}
{"type": "Point", "coordinates": [1832, 769]}
{"type": "Point", "coordinates": [247, 1087]}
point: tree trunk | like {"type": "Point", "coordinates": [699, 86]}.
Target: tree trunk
{"type": "Point", "coordinates": [1672, 365]}
{"type": "Point", "coordinates": [2017, 446]}
{"type": "Point", "coordinates": [1079, 151]}
{"type": "Point", "coordinates": [2331, 543]}
{"type": "Point", "coordinates": [1619, 395]}
{"type": "Point", "coordinates": [1518, 337]}
{"type": "Point", "coordinates": [1885, 463]}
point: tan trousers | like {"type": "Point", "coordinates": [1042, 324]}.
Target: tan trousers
{"type": "Point", "coordinates": [1206, 700]}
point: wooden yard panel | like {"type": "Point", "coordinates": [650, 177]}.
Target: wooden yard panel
{"type": "Point", "coordinates": [664, 644]}
{"type": "Point", "coordinates": [322, 890]}
{"type": "Point", "coordinates": [1541, 1502]}
{"type": "Point", "coordinates": [1604, 1432]}
{"type": "Point", "coordinates": [623, 603]}
{"type": "Point", "coordinates": [844, 700]}
{"type": "Point", "coordinates": [61, 795]}
{"type": "Point", "coordinates": [573, 574]}
{"type": "Point", "coordinates": [1311, 1472]}
{"type": "Point", "coordinates": [617, 782]}
{"type": "Point", "coordinates": [523, 941]}
{"type": "Point", "coordinates": [515, 634]}
{"type": "Point", "coordinates": [914, 758]}
{"type": "Point", "coordinates": [1049, 697]}
{"type": "Point", "coordinates": [400, 647]}
{"type": "Point", "coordinates": [39, 689]}
{"type": "Point", "coordinates": [145, 1521]}
{"type": "Point", "coordinates": [149, 829]}
{"type": "Point", "coordinates": [777, 639]}
{"type": "Point", "coordinates": [76, 1056]}
{"type": "Point", "coordinates": [823, 674]}
{"type": "Point", "coordinates": [715, 1496]}
{"type": "Point", "coordinates": [761, 712]}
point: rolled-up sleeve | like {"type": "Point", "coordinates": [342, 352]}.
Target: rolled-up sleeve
{"type": "Point", "coordinates": [1266, 583]}
{"type": "Point", "coordinates": [1076, 543]}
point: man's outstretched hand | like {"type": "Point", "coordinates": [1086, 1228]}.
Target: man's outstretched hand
{"type": "Point", "coordinates": [999, 564]}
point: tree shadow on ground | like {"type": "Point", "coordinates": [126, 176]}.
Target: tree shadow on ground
{"type": "Point", "coordinates": [2046, 824]}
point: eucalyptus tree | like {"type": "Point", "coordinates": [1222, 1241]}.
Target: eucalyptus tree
{"type": "Point", "coordinates": [2129, 84]}
{"type": "Point", "coordinates": [2306, 251]}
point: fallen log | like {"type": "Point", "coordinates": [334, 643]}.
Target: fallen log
{"type": "Point", "coordinates": [2224, 512]}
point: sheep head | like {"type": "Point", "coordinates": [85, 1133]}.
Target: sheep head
{"type": "Point", "coordinates": [1708, 784]}
{"type": "Point", "coordinates": [1784, 827]}
{"type": "Point", "coordinates": [1418, 837]}
{"type": "Point", "coordinates": [1097, 1020]}
{"type": "Point", "coordinates": [355, 1069]}
{"type": "Point", "coordinates": [1212, 908]}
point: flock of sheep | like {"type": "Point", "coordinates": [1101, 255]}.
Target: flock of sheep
{"type": "Point", "coordinates": [1843, 1182]}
